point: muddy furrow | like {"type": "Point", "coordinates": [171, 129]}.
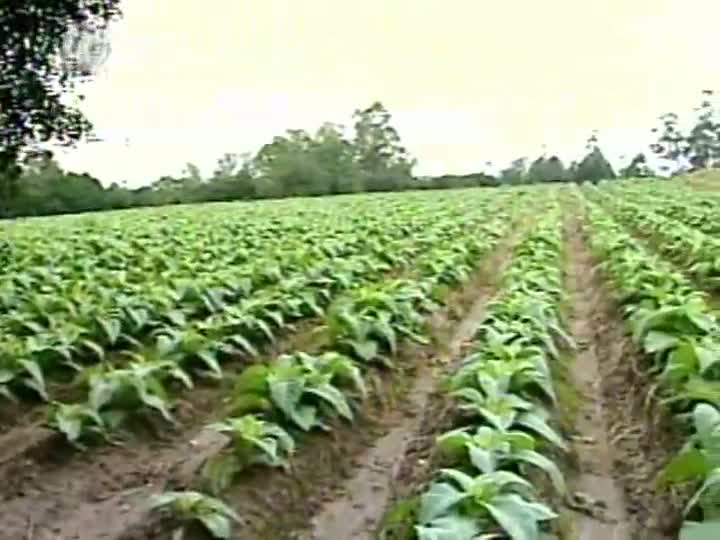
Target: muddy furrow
{"type": "Point", "coordinates": [622, 440]}
{"type": "Point", "coordinates": [597, 497]}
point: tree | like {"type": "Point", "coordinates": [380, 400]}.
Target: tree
{"type": "Point", "coordinates": [637, 168]}
{"type": "Point", "coordinates": [384, 162]}
{"type": "Point", "coordinates": [515, 173]}
{"type": "Point", "coordinates": [594, 166]}
{"type": "Point", "coordinates": [336, 155]}
{"type": "Point", "coordinates": [10, 172]}
{"type": "Point", "coordinates": [703, 141]}
{"type": "Point", "coordinates": [547, 170]}
{"type": "Point", "coordinates": [672, 143]}
{"type": "Point", "coordinates": [286, 167]}
{"type": "Point", "coordinates": [227, 166]}
{"type": "Point", "coordinates": [32, 80]}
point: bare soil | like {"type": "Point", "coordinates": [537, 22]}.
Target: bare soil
{"type": "Point", "coordinates": [623, 438]}
{"type": "Point", "coordinates": [598, 498]}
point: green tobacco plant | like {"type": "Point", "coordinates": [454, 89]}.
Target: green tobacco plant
{"type": "Point", "coordinates": [673, 323]}
{"type": "Point", "coordinates": [191, 506]}
{"type": "Point", "coordinates": [502, 409]}
{"type": "Point", "coordinates": [188, 347]}
{"type": "Point", "coordinates": [490, 449]}
{"type": "Point", "coordinates": [517, 365]}
{"type": "Point", "coordinates": [699, 459]}
{"type": "Point", "coordinates": [252, 441]}
{"type": "Point", "coordinates": [370, 321]}
{"type": "Point", "coordinates": [78, 421]}
{"type": "Point", "coordinates": [500, 390]}
{"type": "Point", "coordinates": [135, 387]}
{"type": "Point", "coordinates": [463, 507]}
{"type": "Point", "coordinates": [298, 388]}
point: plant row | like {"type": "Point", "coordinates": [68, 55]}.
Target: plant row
{"type": "Point", "coordinates": [696, 252]}
{"type": "Point", "coordinates": [674, 200]}
{"type": "Point", "coordinates": [676, 329]}
{"type": "Point", "coordinates": [497, 461]}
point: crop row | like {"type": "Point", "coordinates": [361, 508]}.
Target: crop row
{"type": "Point", "coordinates": [673, 200]}
{"type": "Point", "coordinates": [504, 396]}
{"type": "Point", "coordinates": [60, 333]}
{"type": "Point", "coordinates": [698, 253]}
{"type": "Point", "coordinates": [274, 403]}
{"type": "Point", "coordinates": [677, 330]}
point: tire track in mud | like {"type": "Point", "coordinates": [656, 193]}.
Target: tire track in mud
{"type": "Point", "coordinates": [623, 440]}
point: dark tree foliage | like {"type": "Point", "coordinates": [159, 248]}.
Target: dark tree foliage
{"type": "Point", "coordinates": [637, 168]}
{"type": "Point", "coordinates": [699, 146]}
{"type": "Point", "coordinates": [594, 166]}
{"type": "Point", "coordinates": [32, 80]}
{"type": "Point", "coordinates": [545, 169]}
{"type": "Point", "coordinates": [297, 163]}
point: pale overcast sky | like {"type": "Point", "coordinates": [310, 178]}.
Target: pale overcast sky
{"type": "Point", "coordinates": [466, 80]}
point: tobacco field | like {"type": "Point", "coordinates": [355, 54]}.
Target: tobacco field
{"type": "Point", "coordinates": [525, 363]}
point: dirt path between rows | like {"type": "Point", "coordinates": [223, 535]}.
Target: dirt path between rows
{"type": "Point", "coordinates": [624, 438]}
{"type": "Point", "coordinates": [598, 498]}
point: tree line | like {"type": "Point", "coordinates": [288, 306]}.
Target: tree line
{"type": "Point", "coordinates": [367, 157]}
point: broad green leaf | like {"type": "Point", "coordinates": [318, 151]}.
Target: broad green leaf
{"type": "Point", "coordinates": [535, 423]}
{"type": "Point", "coordinates": [219, 526]}
{"type": "Point", "coordinates": [70, 426]}
{"type": "Point", "coordinates": [706, 418]}
{"type": "Point", "coordinates": [518, 517]}
{"type": "Point", "coordinates": [711, 483]}
{"type": "Point", "coordinates": [286, 392]}
{"type": "Point", "coordinates": [305, 417]}
{"type": "Point", "coordinates": [334, 397]}
{"type": "Point", "coordinates": [252, 380]}
{"type": "Point", "coordinates": [438, 500]}
{"type": "Point", "coordinates": [219, 471]}
{"type": "Point", "coordinates": [544, 463]}
{"type": "Point", "coordinates": [453, 442]}
{"type": "Point", "coordinates": [36, 380]}
{"type": "Point", "coordinates": [657, 341]}
{"type": "Point", "coordinates": [367, 350]}
{"type": "Point", "coordinates": [687, 465]}
{"type": "Point", "coordinates": [484, 460]}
